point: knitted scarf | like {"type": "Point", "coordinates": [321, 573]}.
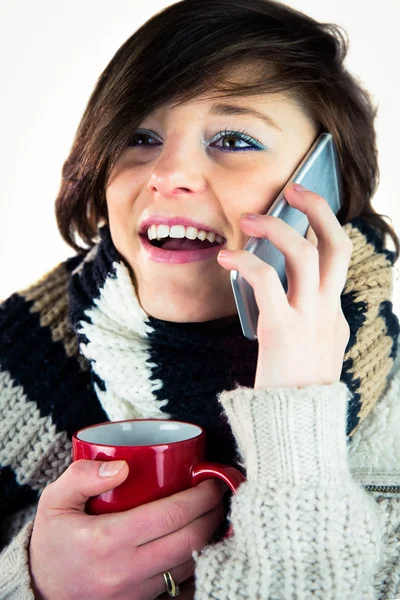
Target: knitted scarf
{"type": "Point", "coordinates": [76, 348]}
{"type": "Point", "coordinates": [146, 367]}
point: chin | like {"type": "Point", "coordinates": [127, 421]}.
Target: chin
{"type": "Point", "coordinates": [179, 312]}
{"type": "Point", "coordinates": [190, 303]}
{"type": "Point", "coordinates": [180, 316]}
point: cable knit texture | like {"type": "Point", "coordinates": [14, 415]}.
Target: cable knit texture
{"type": "Point", "coordinates": [319, 514]}
{"type": "Point", "coordinates": [299, 513]}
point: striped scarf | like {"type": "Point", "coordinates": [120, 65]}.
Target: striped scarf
{"type": "Point", "coordinates": [77, 348]}
{"type": "Point", "coordinates": [146, 367]}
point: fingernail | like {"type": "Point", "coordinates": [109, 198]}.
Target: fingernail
{"type": "Point", "coordinates": [249, 216]}
{"type": "Point", "coordinates": [224, 254]}
{"type": "Point", "coordinates": [110, 469]}
{"type": "Point", "coordinates": [298, 187]}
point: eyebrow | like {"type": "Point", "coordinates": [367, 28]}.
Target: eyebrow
{"type": "Point", "coordinates": [233, 109]}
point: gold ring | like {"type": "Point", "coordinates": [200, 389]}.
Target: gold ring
{"type": "Point", "coordinates": [172, 589]}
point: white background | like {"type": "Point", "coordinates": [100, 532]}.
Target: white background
{"type": "Point", "coordinates": [52, 53]}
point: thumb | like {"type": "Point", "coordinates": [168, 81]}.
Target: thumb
{"type": "Point", "coordinates": [83, 479]}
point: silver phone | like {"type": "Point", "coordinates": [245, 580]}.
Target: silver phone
{"type": "Point", "coordinates": [319, 172]}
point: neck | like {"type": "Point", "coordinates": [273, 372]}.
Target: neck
{"type": "Point", "coordinates": [220, 322]}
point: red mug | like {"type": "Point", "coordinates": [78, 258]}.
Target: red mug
{"type": "Point", "coordinates": [164, 457]}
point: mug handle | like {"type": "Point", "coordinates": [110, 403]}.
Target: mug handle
{"type": "Point", "coordinates": [231, 476]}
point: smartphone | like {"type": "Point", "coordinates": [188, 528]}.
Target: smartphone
{"type": "Point", "coordinates": [319, 171]}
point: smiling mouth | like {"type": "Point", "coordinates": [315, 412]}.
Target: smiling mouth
{"type": "Point", "coordinates": [182, 244]}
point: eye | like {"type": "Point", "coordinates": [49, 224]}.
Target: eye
{"type": "Point", "coordinates": [138, 139]}
{"type": "Point", "coordinates": [147, 139]}
{"type": "Point", "coordinates": [241, 136]}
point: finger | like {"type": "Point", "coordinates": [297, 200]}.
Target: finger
{"type": "Point", "coordinates": [179, 574]}
{"type": "Point", "coordinates": [311, 237]}
{"type": "Point", "coordinates": [83, 479]}
{"type": "Point", "coordinates": [162, 517]}
{"type": "Point", "coordinates": [301, 259]}
{"type": "Point", "coordinates": [334, 245]}
{"type": "Point", "coordinates": [263, 278]}
{"type": "Point", "coordinates": [177, 548]}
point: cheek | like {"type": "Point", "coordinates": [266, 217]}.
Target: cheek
{"type": "Point", "coordinates": [251, 199]}
{"type": "Point", "coordinates": [117, 199]}
{"type": "Point", "coordinates": [254, 195]}
{"type": "Point", "coordinates": [119, 221]}
{"type": "Point", "coordinates": [120, 198]}
{"type": "Point", "coordinates": [255, 189]}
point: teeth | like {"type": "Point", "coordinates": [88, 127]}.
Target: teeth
{"type": "Point", "coordinates": [211, 236]}
{"type": "Point", "coordinates": [191, 233]}
{"type": "Point", "coordinates": [179, 231]}
{"type": "Point", "coordinates": [162, 231]}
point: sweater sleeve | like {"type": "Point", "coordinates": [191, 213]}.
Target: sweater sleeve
{"type": "Point", "coordinates": [303, 528]}
{"type": "Point", "coordinates": [15, 581]}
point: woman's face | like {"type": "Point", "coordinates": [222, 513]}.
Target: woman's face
{"type": "Point", "coordinates": [181, 163]}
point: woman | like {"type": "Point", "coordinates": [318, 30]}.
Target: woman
{"type": "Point", "coordinates": [171, 138]}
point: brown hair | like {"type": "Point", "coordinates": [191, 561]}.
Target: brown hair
{"type": "Point", "coordinates": [184, 51]}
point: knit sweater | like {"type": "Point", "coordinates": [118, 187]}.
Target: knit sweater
{"type": "Point", "coordinates": [319, 513]}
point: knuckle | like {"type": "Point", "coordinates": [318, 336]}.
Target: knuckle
{"type": "Point", "coordinates": [175, 516]}
{"type": "Point", "coordinates": [314, 201]}
{"type": "Point", "coordinates": [216, 488]}
{"type": "Point", "coordinates": [195, 539]}
{"type": "Point", "coordinates": [199, 534]}
{"type": "Point", "coordinates": [307, 251]}
{"type": "Point", "coordinates": [46, 499]}
{"type": "Point", "coordinates": [207, 484]}
{"type": "Point", "coordinates": [45, 496]}
{"type": "Point", "coordinates": [93, 541]}
{"type": "Point", "coordinates": [78, 467]}
{"type": "Point", "coordinates": [268, 271]}
{"type": "Point", "coordinates": [104, 582]}
{"type": "Point", "coordinates": [99, 543]}
{"type": "Point", "coordinates": [110, 582]}
{"type": "Point", "coordinates": [344, 246]}
{"type": "Point", "coordinates": [256, 267]}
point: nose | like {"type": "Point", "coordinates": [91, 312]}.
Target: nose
{"type": "Point", "coordinates": [179, 169]}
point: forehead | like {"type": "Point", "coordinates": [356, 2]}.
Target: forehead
{"type": "Point", "coordinates": [237, 78]}
{"type": "Point", "coordinates": [282, 107]}
{"type": "Point", "coordinates": [278, 111]}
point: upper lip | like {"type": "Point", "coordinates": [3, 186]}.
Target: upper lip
{"type": "Point", "coordinates": [161, 220]}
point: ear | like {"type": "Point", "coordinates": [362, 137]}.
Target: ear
{"type": "Point", "coordinates": [311, 237]}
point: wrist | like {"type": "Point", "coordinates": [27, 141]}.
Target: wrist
{"type": "Point", "coordinates": [290, 435]}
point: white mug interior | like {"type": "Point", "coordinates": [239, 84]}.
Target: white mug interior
{"type": "Point", "coordinates": [139, 433]}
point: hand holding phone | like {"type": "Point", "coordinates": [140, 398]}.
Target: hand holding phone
{"type": "Point", "coordinates": [319, 172]}
{"type": "Point", "coordinates": [302, 332]}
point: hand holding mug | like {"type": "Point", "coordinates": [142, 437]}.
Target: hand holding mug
{"type": "Point", "coordinates": [123, 555]}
